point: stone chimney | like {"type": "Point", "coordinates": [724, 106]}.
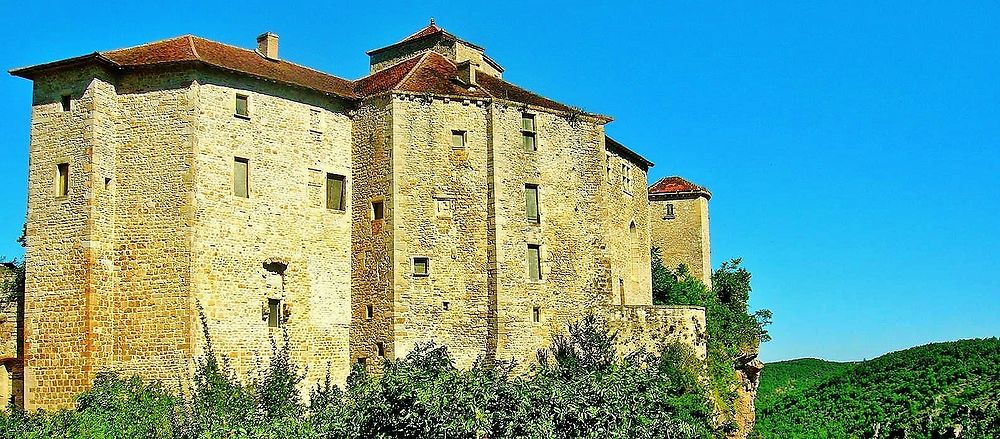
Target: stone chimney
{"type": "Point", "coordinates": [267, 45]}
{"type": "Point", "coordinates": [467, 72]}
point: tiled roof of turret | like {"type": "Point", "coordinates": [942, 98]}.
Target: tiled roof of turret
{"type": "Point", "coordinates": [677, 186]}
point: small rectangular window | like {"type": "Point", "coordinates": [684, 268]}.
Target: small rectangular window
{"type": "Point", "coordinates": [242, 109]}
{"type": "Point", "coordinates": [421, 266]}
{"type": "Point", "coordinates": [66, 100]}
{"type": "Point", "coordinates": [378, 210]}
{"type": "Point", "coordinates": [528, 132]}
{"type": "Point", "coordinates": [273, 310]}
{"type": "Point", "coordinates": [241, 177]}
{"type": "Point", "coordinates": [335, 191]}
{"type": "Point", "coordinates": [536, 314]}
{"type": "Point", "coordinates": [62, 179]}
{"type": "Point", "coordinates": [380, 349]}
{"type": "Point", "coordinates": [531, 203]}
{"type": "Point", "coordinates": [534, 262]}
{"type": "Point", "coordinates": [369, 312]}
{"type": "Point", "coordinates": [457, 139]}
{"type": "Point", "coordinates": [445, 305]}
{"type": "Point", "coordinates": [626, 177]}
{"type": "Point", "coordinates": [668, 211]}
{"type": "Point", "coordinates": [362, 360]}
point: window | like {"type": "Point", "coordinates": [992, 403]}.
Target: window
{"type": "Point", "coordinates": [608, 163]}
{"type": "Point", "coordinates": [369, 312]}
{"type": "Point", "coordinates": [668, 211]}
{"type": "Point", "coordinates": [242, 109]}
{"type": "Point", "coordinates": [241, 177]}
{"type": "Point", "coordinates": [62, 179]}
{"type": "Point", "coordinates": [626, 177]}
{"type": "Point", "coordinates": [445, 305]}
{"type": "Point", "coordinates": [528, 132]}
{"type": "Point", "coordinates": [378, 210]}
{"type": "Point", "coordinates": [335, 191]}
{"type": "Point", "coordinates": [536, 314]}
{"type": "Point", "coordinates": [531, 203]}
{"type": "Point", "coordinates": [314, 120]}
{"type": "Point", "coordinates": [443, 207]}
{"type": "Point", "coordinates": [66, 99]}
{"type": "Point", "coordinates": [380, 349]}
{"type": "Point", "coordinates": [457, 139]}
{"type": "Point", "coordinates": [362, 360]}
{"type": "Point", "coordinates": [534, 262]}
{"type": "Point", "coordinates": [421, 266]}
{"type": "Point", "coordinates": [273, 310]}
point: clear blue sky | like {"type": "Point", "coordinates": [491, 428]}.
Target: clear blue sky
{"type": "Point", "coordinates": [852, 148]}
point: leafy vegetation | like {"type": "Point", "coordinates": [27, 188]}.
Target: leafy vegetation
{"type": "Point", "coordinates": [580, 388]}
{"type": "Point", "coordinates": [933, 391]}
{"type": "Point", "coordinates": [787, 377]}
{"type": "Point", "coordinates": [733, 332]}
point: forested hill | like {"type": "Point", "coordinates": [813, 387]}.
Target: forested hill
{"type": "Point", "coordinates": [925, 391]}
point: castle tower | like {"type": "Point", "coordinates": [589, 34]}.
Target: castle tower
{"type": "Point", "coordinates": [679, 225]}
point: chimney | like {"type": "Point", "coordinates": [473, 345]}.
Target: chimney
{"type": "Point", "coordinates": [467, 72]}
{"type": "Point", "coordinates": [267, 45]}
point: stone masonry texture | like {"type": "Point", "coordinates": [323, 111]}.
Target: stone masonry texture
{"type": "Point", "coordinates": [151, 236]}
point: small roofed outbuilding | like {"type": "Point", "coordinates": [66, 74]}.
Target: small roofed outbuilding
{"type": "Point", "coordinates": [677, 188]}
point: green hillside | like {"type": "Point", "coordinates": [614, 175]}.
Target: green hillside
{"type": "Point", "coordinates": [922, 392]}
{"type": "Point", "coordinates": [785, 377]}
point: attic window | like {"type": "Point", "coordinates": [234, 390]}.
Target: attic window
{"type": "Point", "coordinates": [528, 132]}
{"type": "Point", "coordinates": [668, 211]}
{"type": "Point", "coordinates": [66, 99]}
{"type": "Point", "coordinates": [242, 107]}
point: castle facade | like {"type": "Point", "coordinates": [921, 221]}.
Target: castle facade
{"type": "Point", "coordinates": [428, 201]}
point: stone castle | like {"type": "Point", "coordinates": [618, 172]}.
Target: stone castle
{"type": "Point", "coordinates": [429, 200]}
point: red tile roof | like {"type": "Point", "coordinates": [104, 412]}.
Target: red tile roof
{"type": "Point", "coordinates": [678, 186]}
{"type": "Point", "coordinates": [191, 49]}
{"type": "Point", "coordinates": [431, 29]}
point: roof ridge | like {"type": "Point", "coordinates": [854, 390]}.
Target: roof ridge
{"type": "Point", "coordinates": [423, 57]}
{"type": "Point", "coordinates": [164, 40]}
{"type": "Point", "coordinates": [194, 50]}
{"type": "Point", "coordinates": [281, 60]}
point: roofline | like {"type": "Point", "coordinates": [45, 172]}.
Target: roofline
{"type": "Point", "coordinates": [32, 71]}
{"type": "Point", "coordinates": [683, 195]}
{"type": "Point", "coordinates": [406, 41]}
{"type": "Point", "coordinates": [634, 156]}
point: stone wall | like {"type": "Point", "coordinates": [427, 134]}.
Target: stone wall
{"type": "Point", "coordinates": [652, 326]}
{"type": "Point", "coordinates": [439, 212]}
{"type": "Point", "coordinates": [684, 238]}
{"type": "Point", "coordinates": [282, 242]}
{"type": "Point", "coordinates": [627, 238]}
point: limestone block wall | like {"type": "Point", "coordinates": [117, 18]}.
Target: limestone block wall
{"type": "Point", "coordinates": [683, 238]}
{"type": "Point", "coordinates": [627, 238]}
{"type": "Point", "coordinates": [651, 326]}
{"type": "Point", "coordinates": [282, 242]}
{"type": "Point", "coordinates": [372, 281]}
{"type": "Point", "coordinates": [440, 213]}
{"type": "Point", "coordinates": [568, 169]}
{"type": "Point", "coordinates": [147, 184]}
{"type": "Point", "coordinates": [64, 310]}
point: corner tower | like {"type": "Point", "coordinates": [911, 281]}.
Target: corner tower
{"type": "Point", "coordinates": [678, 219]}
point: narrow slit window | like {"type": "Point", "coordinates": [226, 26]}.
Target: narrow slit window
{"type": "Point", "coordinates": [273, 313]}
{"type": "Point", "coordinates": [66, 102]}
{"type": "Point", "coordinates": [380, 349]}
{"type": "Point", "coordinates": [528, 132]}
{"type": "Point", "coordinates": [378, 210]}
{"type": "Point", "coordinates": [534, 262]}
{"type": "Point", "coordinates": [421, 266]}
{"type": "Point", "coordinates": [335, 191]}
{"type": "Point", "coordinates": [668, 211]}
{"type": "Point", "coordinates": [241, 177]}
{"type": "Point", "coordinates": [242, 107]}
{"type": "Point", "coordinates": [369, 312]}
{"type": "Point", "coordinates": [457, 139]}
{"type": "Point", "coordinates": [531, 203]}
{"type": "Point", "coordinates": [536, 314]}
{"type": "Point", "coordinates": [62, 179]}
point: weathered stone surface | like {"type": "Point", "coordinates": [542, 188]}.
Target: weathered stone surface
{"type": "Point", "coordinates": [152, 232]}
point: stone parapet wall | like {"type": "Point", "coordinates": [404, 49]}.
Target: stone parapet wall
{"type": "Point", "coordinates": [652, 326]}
